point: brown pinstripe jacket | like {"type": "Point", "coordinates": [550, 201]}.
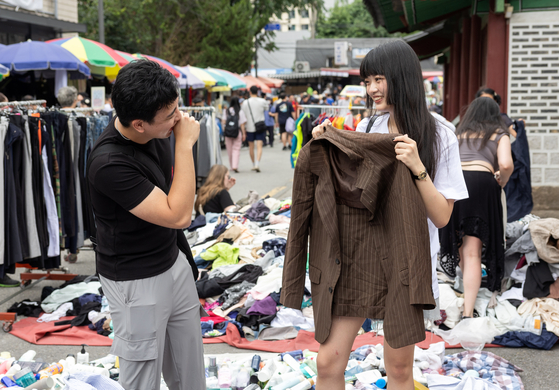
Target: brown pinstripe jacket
{"type": "Point", "coordinates": [397, 213]}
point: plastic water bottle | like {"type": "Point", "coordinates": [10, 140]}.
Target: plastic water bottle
{"type": "Point", "coordinates": [28, 356]}
{"type": "Point", "coordinates": [349, 375]}
{"type": "Point", "coordinates": [289, 383]}
{"type": "Point", "coordinates": [224, 376]}
{"type": "Point", "coordinates": [267, 371]}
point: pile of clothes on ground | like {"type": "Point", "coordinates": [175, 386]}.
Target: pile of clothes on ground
{"type": "Point", "coordinates": [525, 312]}
{"type": "Point", "coordinates": [241, 257]}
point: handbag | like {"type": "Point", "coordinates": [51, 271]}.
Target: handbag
{"type": "Point", "coordinates": [290, 125]}
{"type": "Point", "coordinates": [259, 127]}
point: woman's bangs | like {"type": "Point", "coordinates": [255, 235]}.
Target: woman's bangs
{"type": "Point", "coordinates": [372, 64]}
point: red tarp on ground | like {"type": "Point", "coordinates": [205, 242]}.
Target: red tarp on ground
{"type": "Point", "coordinates": [305, 340]}
{"type": "Point", "coordinates": [46, 333]}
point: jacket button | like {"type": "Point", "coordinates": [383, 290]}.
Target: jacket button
{"type": "Point", "coordinates": [330, 289]}
{"type": "Point", "coordinates": [338, 261]}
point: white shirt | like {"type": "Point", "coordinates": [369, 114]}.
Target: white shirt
{"type": "Point", "coordinates": [258, 106]}
{"type": "Point", "coordinates": [449, 179]}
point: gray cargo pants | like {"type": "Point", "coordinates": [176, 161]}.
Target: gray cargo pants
{"type": "Point", "coordinates": [157, 329]}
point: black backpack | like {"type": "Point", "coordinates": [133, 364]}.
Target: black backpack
{"type": "Point", "coordinates": [231, 125]}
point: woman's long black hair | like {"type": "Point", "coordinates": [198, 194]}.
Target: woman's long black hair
{"type": "Point", "coordinates": [481, 120]}
{"type": "Point", "coordinates": [235, 104]}
{"type": "Point", "coordinates": [398, 63]}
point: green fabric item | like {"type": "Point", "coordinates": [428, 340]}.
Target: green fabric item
{"type": "Point", "coordinates": [221, 254]}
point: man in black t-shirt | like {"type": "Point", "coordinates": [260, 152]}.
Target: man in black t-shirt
{"type": "Point", "coordinates": [148, 281]}
{"type": "Point", "coordinates": [283, 111]}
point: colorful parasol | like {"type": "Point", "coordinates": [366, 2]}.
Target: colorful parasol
{"type": "Point", "coordinates": [354, 90]}
{"type": "Point", "coordinates": [234, 82]}
{"type": "Point", "coordinates": [101, 59]}
{"type": "Point", "coordinates": [251, 80]}
{"type": "Point", "coordinates": [191, 80]}
{"type": "Point", "coordinates": [272, 83]}
{"type": "Point", "coordinates": [35, 55]}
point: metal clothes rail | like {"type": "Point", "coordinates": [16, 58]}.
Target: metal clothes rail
{"type": "Point", "coordinates": [24, 103]}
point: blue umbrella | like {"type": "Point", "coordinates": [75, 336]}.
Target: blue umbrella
{"type": "Point", "coordinates": [33, 55]}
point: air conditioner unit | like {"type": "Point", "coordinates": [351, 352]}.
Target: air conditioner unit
{"type": "Point", "coordinates": [302, 66]}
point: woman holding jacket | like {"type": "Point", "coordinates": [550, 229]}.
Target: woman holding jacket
{"type": "Point", "coordinates": [429, 149]}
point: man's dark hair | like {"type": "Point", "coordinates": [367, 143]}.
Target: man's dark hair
{"type": "Point", "coordinates": [254, 90]}
{"type": "Point", "coordinates": [197, 100]}
{"type": "Point", "coordinates": [141, 89]}
{"type": "Point", "coordinates": [282, 95]}
{"type": "Point", "coordinates": [27, 98]}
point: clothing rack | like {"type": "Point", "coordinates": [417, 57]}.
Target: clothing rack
{"type": "Point", "coordinates": [325, 106]}
{"type": "Point", "coordinates": [24, 103]}
{"type": "Point", "coordinates": [215, 156]}
{"type": "Point", "coordinates": [80, 109]}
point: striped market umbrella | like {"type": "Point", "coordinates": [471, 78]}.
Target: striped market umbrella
{"type": "Point", "coordinates": [251, 80]}
{"type": "Point", "coordinates": [101, 59]}
{"type": "Point", "coordinates": [191, 80]}
{"type": "Point", "coordinates": [4, 72]}
{"type": "Point", "coordinates": [219, 82]}
{"type": "Point", "coordinates": [35, 55]}
{"type": "Point", "coordinates": [234, 82]}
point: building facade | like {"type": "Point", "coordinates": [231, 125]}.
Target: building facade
{"type": "Point", "coordinates": [38, 20]}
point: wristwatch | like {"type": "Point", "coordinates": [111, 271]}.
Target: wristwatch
{"type": "Point", "coordinates": [422, 176]}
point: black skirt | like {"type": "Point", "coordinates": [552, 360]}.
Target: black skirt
{"type": "Point", "coordinates": [481, 216]}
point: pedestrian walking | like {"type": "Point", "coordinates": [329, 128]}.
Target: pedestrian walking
{"type": "Point", "coordinates": [147, 279]}
{"type": "Point", "coordinates": [283, 111]}
{"type": "Point", "coordinates": [477, 222]}
{"type": "Point", "coordinates": [429, 150]}
{"type": "Point", "coordinates": [270, 123]}
{"type": "Point", "coordinates": [234, 129]}
{"type": "Point", "coordinates": [254, 108]}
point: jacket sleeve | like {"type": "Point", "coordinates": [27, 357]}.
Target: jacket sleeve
{"type": "Point", "coordinates": [294, 269]}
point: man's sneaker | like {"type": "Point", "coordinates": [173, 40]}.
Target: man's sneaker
{"type": "Point", "coordinates": [257, 169]}
{"type": "Point", "coordinates": [284, 148]}
{"type": "Point", "coordinates": [6, 281]}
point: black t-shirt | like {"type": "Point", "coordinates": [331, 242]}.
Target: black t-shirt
{"type": "Point", "coordinates": [128, 247]}
{"type": "Point", "coordinates": [219, 202]}
{"type": "Point", "coordinates": [284, 110]}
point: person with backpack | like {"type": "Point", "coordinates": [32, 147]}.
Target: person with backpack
{"type": "Point", "coordinates": [233, 122]}
{"type": "Point", "coordinates": [254, 108]}
{"type": "Point", "coordinates": [142, 201]}
{"type": "Point", "coordinates": [283, 111]}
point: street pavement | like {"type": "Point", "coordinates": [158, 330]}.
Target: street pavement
{"type": "Point", "coordinates": [275, 179]}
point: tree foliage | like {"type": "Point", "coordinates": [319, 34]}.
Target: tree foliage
{"type": "Point", "coordinates": [348, 21]}
{"type": "Point", "coordinates": [216, 33]}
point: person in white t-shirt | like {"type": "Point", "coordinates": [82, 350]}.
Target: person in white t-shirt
{"type": "Point", "coordinates": [254, 108]}
{"type": "Point", "coordinates": [429, 149]}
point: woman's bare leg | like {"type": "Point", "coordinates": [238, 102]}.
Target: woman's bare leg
{"type": "Point", "coordinates": [333, 355]}
{"type": "Point", "coordinates": [470, 264]}
{"type": "Point", "coordinates": [399, 366]}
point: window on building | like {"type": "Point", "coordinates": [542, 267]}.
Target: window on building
{"type": "Point", "coordinates": [304, 27]}
{"type": "Point", "coordinates": [304, 13]}
{"type": "Point", "coordinates": [292, 27]}
{"type": "Point", "coordinates": [292, 14]}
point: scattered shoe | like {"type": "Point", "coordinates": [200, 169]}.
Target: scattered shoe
{"type": "Point", "coordinates": [6, 281]}
{"type": "Point", "coordinates": [71, 258]}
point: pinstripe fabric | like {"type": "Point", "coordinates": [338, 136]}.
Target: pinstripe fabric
{"type": "Point", "coordinates": [363, 262]}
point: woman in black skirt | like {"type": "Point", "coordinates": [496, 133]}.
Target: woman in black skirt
{"type": "Point", "coordinates": [476, 224]}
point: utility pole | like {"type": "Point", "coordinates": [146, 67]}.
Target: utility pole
{"type": "Point", "coordinates": [101, 16]}
{"type": "Point", "coordinates": [256, 56]}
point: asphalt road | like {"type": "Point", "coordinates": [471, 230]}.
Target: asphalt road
{"type": "Point", "coordinates": [540, 367]}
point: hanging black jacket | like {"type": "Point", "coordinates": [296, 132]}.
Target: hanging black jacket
{"type": "Point", "coordinates": [519, 187]}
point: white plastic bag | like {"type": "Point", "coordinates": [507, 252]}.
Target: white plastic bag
{"type": "Point", "coordinates": [471, 333]}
